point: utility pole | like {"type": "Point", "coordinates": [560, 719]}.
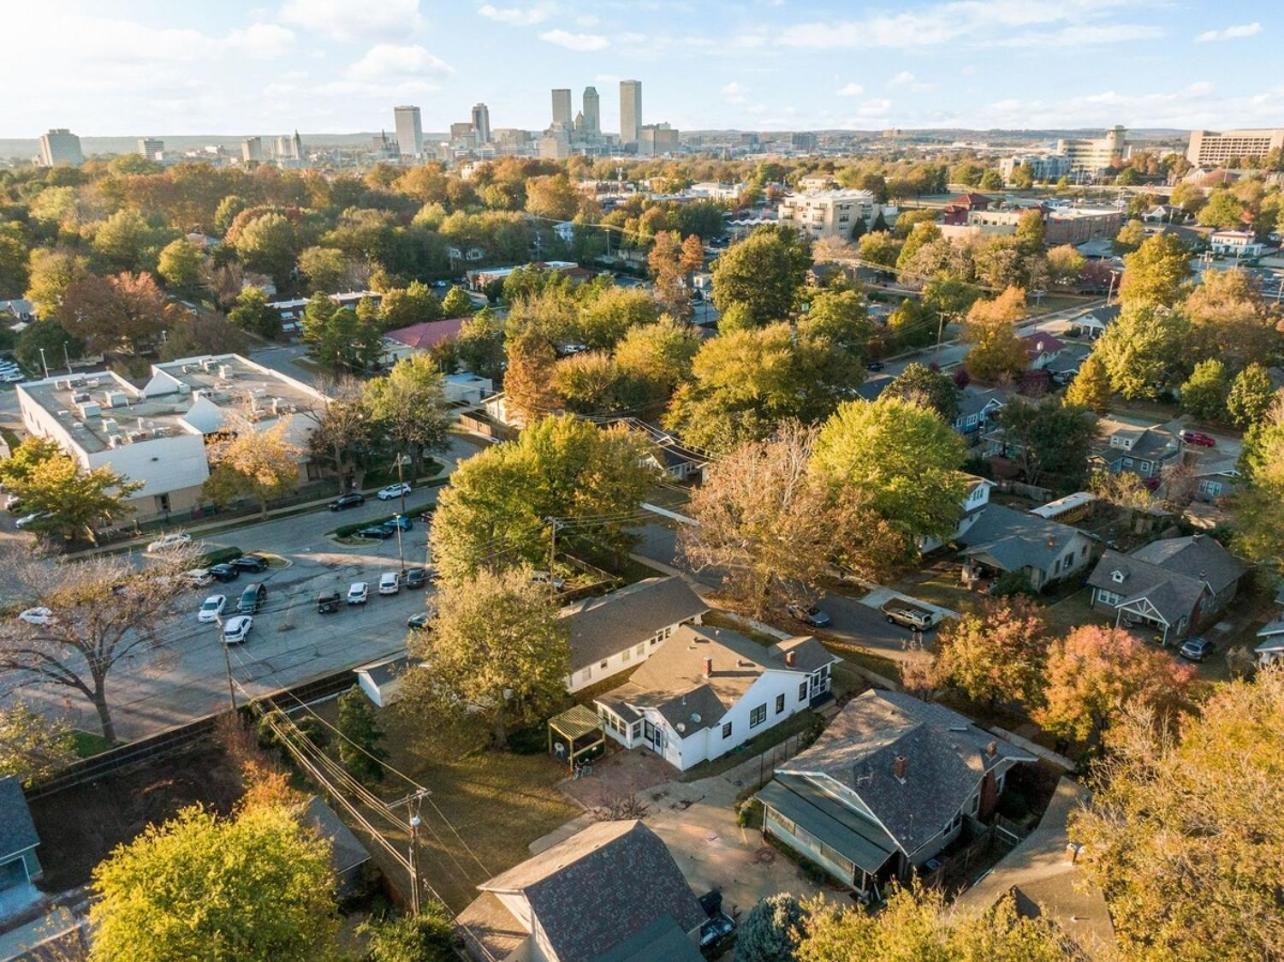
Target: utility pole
{"type": "Point", "coordinates": [401, 556]}
{"type": "Point", "coordinates": [227, 662]}
{"type": "Point", "coordinates": [43, 363]}
{"type": "Point", "coordinates": [412, 803]}
{"type": "Point", "coordinates": [66, 357]}
{"type": "Point", "coordinates": [940, 333]}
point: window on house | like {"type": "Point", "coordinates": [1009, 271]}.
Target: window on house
{"type": "Point", "coordinates": [628, 653]}
{"type": "Point", "coordinates": [602, 666]}
{"type": "Point", "coordinates": [757, 716]}
{"type": "Point", "coordinates": [780, 704]}
{"type": "Point", "coordinates": [641, 649]}
{"type": "Point", "coordinates": [587, 673]}
{"type": "Point", "coordinates": [726, 729]}
{"type": "Point", "coordinates": [1117, 576]}
{"type": "Point", "coordinates": [635, 730]}
{"type": "Point", "coordinates": [802, 692]}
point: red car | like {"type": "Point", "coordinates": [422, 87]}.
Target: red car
{"type": "Point", "coordinates": [1198, 437]}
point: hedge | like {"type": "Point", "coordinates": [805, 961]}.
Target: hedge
{"type": "Point", "coordinates": [218, 556]}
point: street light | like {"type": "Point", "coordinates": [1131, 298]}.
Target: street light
{"type": "Point", "coordinates": [42, 362]}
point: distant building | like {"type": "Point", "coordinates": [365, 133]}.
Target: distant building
{"type": "Point", "coordinates": [630, 111]}
{"type": "Point", "coordinates": [481, 123]}
{"type": "Point", "coordinates": [562, 108]}
{"type": "Point", "coordinates": [60, 147]}
{"type": "Point", "coordinates": [554, 146]}
{"type": "Point", "coordinates": [1209, 148]}
{"type": "Point", "coordinates": [463, 133]}
{"type": "Point", "coordinates": [657, 139]}
{"type": "Point", "coordinates": [802, 140]}
{"type": "Point", "coordinates": [1235, 243]}
{"type": "Point", "coordinates": [1092, 156]}
{"type": "Point", "coordinates": [251, 149]}
{"type": "Point", "coordinates": [956, 209]}
{"type": "Point", "coordinates": [827, 213]}
{"type": "Point", "coordinates": [1074, 225]}
{"type": "Point", "coordinates": [592, 112]}
{"type": "Point", "coordinates": [410, 131]}
{"type": "Point", "coordinates": [289, 148]}
{"type": "Point", "coordinates": [151, 148]}
{"type": "Point", "coordinates": [1042, 166]}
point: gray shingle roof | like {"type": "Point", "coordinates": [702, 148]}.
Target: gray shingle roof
{"type": "Point", "coordinates": [974, 401]}
{"type": "Point", "coordinates": [945, 755]}
{"type": "Point", "coordinates": [1015, 539]}
{"type": "Point", "coordinates": [602, 626]}
{"type": "Point", "coordinates": [17, 830]}
{"type": "Point", "coordinates": [600, 888]}
{"type": "Point", "coordinates": [1174, 595]}
{"type": "Point", "coordinates": [1197, 556]}
{"type": "Point", "coordinates": [346, 850]}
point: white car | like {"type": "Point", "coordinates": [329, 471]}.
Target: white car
{"type": "Point", "coordinates": [175, 539]}
{"type": "Point", "coordinates": [393, 491]}
{"type": "Point", "coordinates": [27, 519]}
{"type": "Point", "coordinates": [358, 592]}
{"type": "Point", "coordinates": [197, 577]}
{"type": "Point", "coordinates": [37, 616]}
{"type": "Point", "coordinates": [389, 583]}
{"type": "Point", "coordinates": [236, 629]}
{"type": "Point", "coordinates": [211, 609]}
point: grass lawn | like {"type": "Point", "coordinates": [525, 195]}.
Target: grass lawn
{"type": "Point", "coordinates": [723, 619]}
{"type": "Point", "coordinates": [1069, 613]}
{"type": "Point", "coordinates": [88, 744]}
{"type": "Point", "coordinates": [772, 737]}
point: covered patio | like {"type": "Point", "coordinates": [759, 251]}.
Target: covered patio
{"type": "Point", "coordinates": [575, 734]}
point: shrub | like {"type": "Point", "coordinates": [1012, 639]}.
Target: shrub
{"type": "Point", "coordinates": [218, 556]}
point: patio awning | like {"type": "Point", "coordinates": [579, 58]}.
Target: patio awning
{"type": "Point", "coordinates": [575, 722]}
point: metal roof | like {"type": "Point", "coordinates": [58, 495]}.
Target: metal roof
{"type": "Point", "coordinates": [839, 826]}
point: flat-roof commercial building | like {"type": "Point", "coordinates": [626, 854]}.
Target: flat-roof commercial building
{"type": "Point", "coordinates": [827, 213]}
{"type": "Point", "coordinates": [1093, 155]}
{"type": "Point", "coordinates": [157, 434]}
{"type": "Point", "coordinates": [1211, 148]}
{"type": "Point", "coordinates": [657, 139]}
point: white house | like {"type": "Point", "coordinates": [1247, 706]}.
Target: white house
{"type": "Point", "coordinates": [619, 631]}
{"type": "Point", "coordinates": [1235, 243]}
{"type": "Point", "coordinates": [381, 680]}
{"type": "Point", "coordinates": [977, 497]}
{"type": "Point", "coordinates": [708, 690]}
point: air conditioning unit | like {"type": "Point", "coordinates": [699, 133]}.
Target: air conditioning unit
{"type": "Point", "coordinates": [110, 425]}
{"type": "Point", "coordinates": [115, 440]}
{"type": "Point", "coordinates": [224, 371]}
{"type": "Point", "coordinates": [80, 397]}
{"type": "Point", "coordinates": [90, 410]}
{"type": "Point", "coordinates": [184, 388]}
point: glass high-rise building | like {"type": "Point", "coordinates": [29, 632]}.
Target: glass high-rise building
{"type": "Point", "coordinates": [630, 110]}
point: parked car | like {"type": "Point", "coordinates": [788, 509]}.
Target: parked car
{"type": "Point", "coordinates": [393, 491]}
{"type": "Point", "coordinates": [419, 621]}
{"type": "Point", "coordinates": [249, 562]}
{"type": "Point", "coordinates": [328, 602]}
{"type": "Point", "coordinates": [167, 542]}
{"type": "Point", "coordinates": [236, 629]}
{"type": "Point", "coordinates": [389, 583]}
{"type": "Point", "coordinates": [344, 501]}
{"type": "Point", "coordinates": [875, 366]}
{"type": "Point", "coordinates": [398, 521]}
{"type": "Point", "coordinates": [224, 572]}
{"type": "Point", "coordinates": [197, 577]}
{"type": "Point", "coordinates": [28, 519]}
{"type": "Point", "coordinates": [415, 578]}
{"type": "Point", "coordinates": [1198, 438]}
{"type": "Point", "coordinates": [211, 609]}
{"type": "Point", "coordinates": [1196, 649]}
{"type": "Point", "coordinates": [382, 532]}
{"type": "Point", "coordinates": [907, 615]}
{"type": "Point", "coordinates": [358, 593]}
{"type": "Point", "coordinates": [37, 616]}
{"type": "Point", "coordinates": [547, 578]}
{"type": "Point", "coordinates": [717, 932]}
{"type": "Point", "coordinates": [809, 615]}
{"type": "Point", "coordinates": [253, 598]}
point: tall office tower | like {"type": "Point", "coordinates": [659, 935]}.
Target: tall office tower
{"type": "Point", "coordinates": [592, 112]}
{"type": "Point", "coordinates": [481, 123]}
{"type": "Point", "coordinates": [288, 148]}
{"type": "Point", "coordinates": [410, 131]}
{"type": "Point", "coordinates": [251, 149]}
{"type": "Point", "coordinates": [150, 147]}
{"type": "Point", "coordinates": [630, 110]}
{"type": "Point", "coordinates": [562, 107]}
{"type": "Point", "coordinates": [60, 146]}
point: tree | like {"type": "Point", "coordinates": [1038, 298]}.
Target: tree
{"type": "Point", "coordinates": [52, 272]}
{"type": "Point", "coordinates": [70, 501]}
{"type": "Point", "coordinates": [180, 266]}
{"type": "Point", "coordinates": [589, 383]}
{"type": "Point", "coordinates": [995, 653]}
{"type": "Point", "coordinates": [409, 404]}
{"type": "Point", "coordinates": [1050, 441]}
{"type": "Point", "coordinates": [769, 521]}
{"type": "Point", "coordinates": [996, 351]}
{"type": "Point", "coordinates": [1260, 504]}
{"type": "Point", "coordinates": [252, 314]}
{"type": "Point", "coordinates": [456, 303]}
{"type": "Point", "coordinates": [33, 747]}
{"type": "Point", "coordinates": [879, 247]}
{"type": "Point", "coordinates": [326, 268]}
{"type": "Point", "coordinates": [107, 610]}
{"type": "Point", "coordinates": [246, 461]}
{"type": "Point", "coordinates": [1229, 320]}
{"type": "Point", "coordinates": [932, 389]}
{"type": "Point", "coordinates": [343, 436]}
{"type": "Point", "coordinates": [1094, 673]}
{"type": "Point", "coordinates": [404, 306]}
{"type": "Point", "coordinates": [341, 338]}
{"type": "Point", "coordinates": [1223, 210]}
{"type": "Point", "coordinates": [256, 887]}
{"type": "Point", "coordinates": [991, 180]}
{"type": "Point", "coordinates": [772, 930]}
{"type": "Point", "coordinates": [1091, 386]}
{"type": "Point", "coordinates": [922, 234]}
{"type": "Point", "coordinates": [528, 379]}
{"type": "Point", "coordinates": [1251, 396]}
{"type": "Point", "coordinates": [119, 315]}
{"type": "Point", "coordinates": [1130, 236]}
{"type": "Point", "coordinates": [496, 653]}
{"type": "Point", "coordinates": [664, 261]}
{"type": "Point", "coordinates": [903, 457]}
{"type": "Point", "coordinates": [1065, 266]}
{"type": "Point", "coordinates": [1142, 351]}
{"type": "Point", "coordinates": [50, 336]}
{"type": "Point", "coordinates": [426, 937]}
{"type": "Point", "coordinates": [653, 359]}
{"type": "Point", "coordinates": [496, 508]}
{"type": "Point", "coordinates": [606, 318]}
{"type": "Point", "coordinates": [360, 735]}
{"type": "Point", "coordinates": [762, 274]}
{"type": "Point", "coordinates": [1168, 811]}
{"type": "Point", "coordinates": [554, 197]}
{"type": "Point", "coordinates": [480, 345]}
{"type": "Point", "coordinates": [125, 241]}
{"type": "Point", "coordinates": [1154, 273]}
{"type": "Point", "coordinates": [269, 243]}
{"type": "Point", "coordinates": [1204, 393]}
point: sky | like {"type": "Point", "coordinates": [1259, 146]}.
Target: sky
{"type": "Point", "coordinates": [231, 67]}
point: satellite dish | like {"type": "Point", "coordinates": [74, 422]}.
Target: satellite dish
{"type": "Point", "coordinates": [695, 718]}
{"type": "Point", "coordinates": [681, 727]}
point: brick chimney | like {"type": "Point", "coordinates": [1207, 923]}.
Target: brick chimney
{"type": "Point", "coordinates": [900, 768]}
{"type": "Point", "coordinates": [791, 658]}
{"type": "Point", "coordinates": [992, 749]}
{"type": "Point", "coordinates": [708, 667]}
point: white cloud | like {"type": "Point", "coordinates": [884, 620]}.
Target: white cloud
{"type": "Point", "coordinates": [850, 90]}
{"type": "Point", "coordinates": [1236, 32]}
{"type": "Point", "coordinates": [525, 16]}
{"type": "Point", "coordinates": [1086, 35]}
{"type": "Point", "coordinates": [265, 41]}
{"type": "Point", "coordinates": [576, 41]}
{"type": "Point", "coordinates": [878, 107]}
{"type": "Point", "coordinates": [354, 19]}
{"type": "Point", "coordinates": [901, 79]}
{"type": "Point", "coordinates": [389, 62]}
{"type": "Point", "coordinates": [735, 93]}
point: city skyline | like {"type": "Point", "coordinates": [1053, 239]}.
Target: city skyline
{"type": "Point", "coordinates": [141, 66]}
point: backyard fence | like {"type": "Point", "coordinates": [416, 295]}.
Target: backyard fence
{"type": "Point", "coordinates": [756, 772]}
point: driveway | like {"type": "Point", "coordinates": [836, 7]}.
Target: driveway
{"type": "Point", "coordinates": [855, 622]}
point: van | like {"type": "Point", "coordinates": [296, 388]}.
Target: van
{"type": "Point", "coordinates": [253, 598]}
{"type": "Point", "coordinates": [908, 615]}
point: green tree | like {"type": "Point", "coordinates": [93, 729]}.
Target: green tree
{"type": "Point", "coordinates": [1091, 386]}
{"type": "Point", "coordinates": [1050, 441]}
{"type": "Point", "coordinates": [996, 350]}
{"type": "Point", "coordinates": [879, 247]}
{"type": "Point", "coordinates": [426, 937]}
{"type": "Point", "coordinates": [772, 930]}
{"type": "Point", "coordinates": [180, 266]}
{"type": "Point", "coordinates": [53, 338]}
{"type": "Point", "coordinates": [360, 736]}
{"type": "Point", "coordinates": [654, 359]}
{"type": "Point", "coordinates": [528, 377]}
{"type": "Point", "coordinates": [495, 654]}
{"type": "Point", "coordinates": [589, 383]}
{"type": "Point", "coordinates": [33, 747]}
{"type": "Point", "coordinates": [933, 389]}
{"type": "Point", "coordinates": [904, 457]}
{"type": "Point", "coordinates": [326, 268]}
{"type": "Point", "coordinates": [52, 272]}
{"type": "Point", "coordinates": [480, 345]}
{"type": "Point", "coordinates": [456, 303]}
{"type": "Point", "coordinates": [1166, 811]}
{"type": "Point", "coordinates": [995, 654]}
{"type": "Point", "coordinates": [991, 180]}
{"type": "Point", "coordinates": [1223, 210]}
{"type": "Point", "coordinates": [1143, 351]}
{"type": "Point", "coordinates": [1260, 505]}
{"type": "Point", "coordinates": [1029, 232]}
{"type": "Point", "coordinates": [125, 241]}
{"type": "Point", "coordinates": [269, 243]}
{"type": "Point", "coordinates": [1251, 396]}
{"type": "Point", "coordinates": [762, 274]}
{"type": "Point", "coordinates": [339, 337]}
{"type": "Point", "coordinates": [1204, 393]}
{"type": "Point", "coordinates": [251, 313]}
{"type": "Point", "coordinates": [496, 508]}
{"type": "Point", "coordinates": [404, 306]}
{"type": "Point", "coordinates": [71, 501]}
{"type": "Point", "coordinates": [246, 461]}
{"type": "Point", "coordinates": [1155, 273]}
{"type": "Point", "coordinates": [1229, 320]}
{"type": "Point", "coordinates": [15, 244]}
{"type": "Point", "coordinates": [409, 404]}
{"type": "Point", "coordinates": [554, 197]}
{"type": "Point", "coordinates": [1065, 266]}
{"type": "Point", "coordinates": [922, 234]}
{"type": "Point", "coordinates": [256, 887]}
{"type": "Point", "coordinates": [606, 318]}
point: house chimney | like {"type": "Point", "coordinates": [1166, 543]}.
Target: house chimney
{"type": "Point", "coordinates": [992, 749]}
{"type": "Point", "coordinates": [900, 768]}
{"type": "Point", "coordinates": [791, 658]}
{"type": "Point", "coordinates": [708, 667]}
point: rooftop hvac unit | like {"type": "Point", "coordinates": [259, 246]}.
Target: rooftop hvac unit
{"type": "Point", "coordinates": [139, 436]}
{"type": "Point", "coordinates": [80, 397]}
{"type": "Point", "coordinates": [63, 385]}
{"type": "Point", "coordinates": [90, 410]}
{"type": "Point", "coordinates": [109, 425]}
{"type": "Point", "coordinates": [92, 382]}
{"type": "Point", "coordinates": [224, 371]}
{"type": "Point", "coordinates": [260, 392]}
{"type": "Point", "coordinates": [115, 399]}
{"type": "Point", "coordinates": [207, 363]}
{"type": "Point", "coordinates": [184, 388]}
{"type": "Point", "coordinates": [115, 440]}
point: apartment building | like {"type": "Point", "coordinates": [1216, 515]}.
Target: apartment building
{"type": "Point", "coordinates": [157, 434]}
{"type": "Point", "coordinates": [827, 213]}
{"type": "Point", "coordinates": [1093, 155]}
{"type": "Point", "coordinates": [1074, 225]}
{"type": "Point", "coordinates": [60, 147]}
{"type": "Point", "coordinates": [1043, 167]}
{"type": "Point", "coordinates": [1211, 148]}
{"type": "Point", "coordinates": [657, 139]}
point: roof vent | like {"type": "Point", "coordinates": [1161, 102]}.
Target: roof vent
{"type": "Point", "coordinates": [791, 658]}
{"type": "Point", "coordinates": [992, 748]}
{"type": "Point", "coordinates": [900, 768]}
